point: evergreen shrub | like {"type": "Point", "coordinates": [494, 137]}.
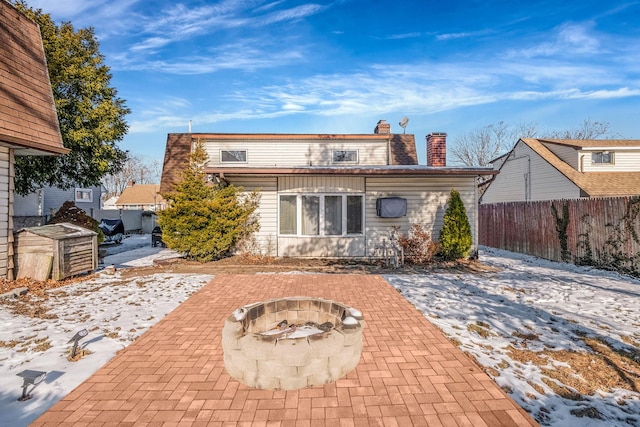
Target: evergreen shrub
{"type": "Point", "coordinates": [455, 235]}
{"type": "Point", "coordinates": [205, 221]}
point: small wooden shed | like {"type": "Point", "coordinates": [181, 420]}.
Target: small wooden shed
{"type": "Point", "coordinates": [55, 251]}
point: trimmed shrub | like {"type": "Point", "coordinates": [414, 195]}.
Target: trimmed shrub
{"type": "Point", "coordinates": [455, 235]}
{"type": "Point", "coordinates": [418, 246]}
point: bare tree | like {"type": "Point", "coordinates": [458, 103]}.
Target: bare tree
{"type": "Point", "coordinates": [480, 146]}
{"type": "Point", "coordinates": [135, 170]}
{"type": "Point", "coordinates": [587, 130]}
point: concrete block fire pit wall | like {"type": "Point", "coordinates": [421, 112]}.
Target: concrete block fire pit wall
{"type": "Point", "coordinates": [292, 343]}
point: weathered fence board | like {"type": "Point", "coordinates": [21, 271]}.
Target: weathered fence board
{"type": "Point", "coordinates": [600, 232]}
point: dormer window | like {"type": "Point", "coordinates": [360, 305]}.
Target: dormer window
{"type": "Point", "coordinates": [344, 156]}
{"type": "Point", "coordinates": [233, 156]}
{"type": "Point", "coordinates": [602, 158]}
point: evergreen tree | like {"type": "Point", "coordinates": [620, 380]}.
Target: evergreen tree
{"type": "Point", "coordinates": [455, 235]}
{"type": "Point", "coordinates": [205, 221]}
{"type": "Point", "coordinates": [90, 114]}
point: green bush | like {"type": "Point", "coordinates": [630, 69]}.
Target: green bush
{"type": "Point", "coordinates": [206, 221]}
{"type": "Point", "coordinates": [455, 235]}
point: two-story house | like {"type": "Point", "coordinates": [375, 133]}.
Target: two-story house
{"type": "Point", "coordinates": [332, 195]}
{"type": "Point", "coordinates": [548, 169]}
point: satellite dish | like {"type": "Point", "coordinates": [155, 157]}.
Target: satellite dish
{"type": "Point", "coordinates": [403, 123]}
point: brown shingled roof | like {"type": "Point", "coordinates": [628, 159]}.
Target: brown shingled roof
{"type": "Point", "coordinates": [590, 143]}
{"type": "Point", "coordinates": [28, 118]}
{"type": "Point", "coordinates": [403, 149]}
{"type": "Point", "coordinates": [594, 184]}
{"type": "Point", "coordinates": [141, 194]}
{"type": "Point", "coordinates": [176, 158]}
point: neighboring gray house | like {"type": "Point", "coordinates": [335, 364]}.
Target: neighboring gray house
{"type": "Point", "coordinates": [332, 195]}
{"type": "Point", "coordinates": [36, 208]}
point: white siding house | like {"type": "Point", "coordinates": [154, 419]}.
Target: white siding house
{"type": "Point", "coordinates": [537, 169]}
{"type": "Point", "coordinates": [319, 194]}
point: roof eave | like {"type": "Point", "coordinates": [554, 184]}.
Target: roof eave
{"type": "Point", "coordinates": [370, 171]}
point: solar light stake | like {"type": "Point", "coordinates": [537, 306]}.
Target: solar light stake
{"type": "Point", "coordinates": [80, 334]}
{"type": "Point", "coordinates": [30, 378]}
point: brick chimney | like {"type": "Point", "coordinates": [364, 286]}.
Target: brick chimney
{"type": "Point", "coordinates": [382, 127]}
{"type": "Point", "coordinates": [437, 149]}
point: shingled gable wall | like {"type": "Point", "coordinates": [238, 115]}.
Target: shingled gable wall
{"type": "Point", "coordinates": [27, 110]}
{"type": "Point", "coordinates": [28, 119]}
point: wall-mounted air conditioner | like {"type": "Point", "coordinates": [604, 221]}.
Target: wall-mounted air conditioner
{"type": "Point", "coordinates": [391, 207]}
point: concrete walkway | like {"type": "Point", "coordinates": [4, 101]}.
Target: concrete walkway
{"type": "Point", "coordinates": [409, 373]}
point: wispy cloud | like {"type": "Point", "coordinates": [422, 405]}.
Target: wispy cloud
{"type": "Point", "coordinates": [246, 55]}
{"type": "Point", "coordinates": [402, 36]}
{"type": "Point", "coordinates": [420, 88]}
{"type": "Point", "coordinates": [461, 35]}
{"type": "Point", "coordinates": [298, 12]}
{"type": "Point", "coordinates": [567, 39]}
{"type": "Point", "coordinates": [182, 22]}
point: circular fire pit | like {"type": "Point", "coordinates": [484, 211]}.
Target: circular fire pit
{"type": "Point", "coordinates": [291, 343]}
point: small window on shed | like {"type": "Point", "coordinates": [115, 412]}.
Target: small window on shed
{"type": "Point", "coordinates": [602, 158]}
{"type": "Point", "coordinates": [84, 195]}
{"type": "Point", "coordinates": [233, 156]}
{"type": "Point", "coordinates": [344, 156]}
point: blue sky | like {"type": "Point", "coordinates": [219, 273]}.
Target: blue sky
{"type": "Point", "coordinates": [339, 66]}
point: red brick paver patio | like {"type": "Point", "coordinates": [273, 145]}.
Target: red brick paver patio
{"type": "Point", "coordinates": [409, 373]}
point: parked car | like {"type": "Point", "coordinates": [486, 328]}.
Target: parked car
{"type": "Point", "coordinates": [156, 237]}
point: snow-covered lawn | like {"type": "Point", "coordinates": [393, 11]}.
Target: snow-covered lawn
{"type": "Point", "coordinates": [528, 310]}
{"type": "Point", "coordinates": [562, 340]}
{"type": "Point", "coordinates": [113, 311]}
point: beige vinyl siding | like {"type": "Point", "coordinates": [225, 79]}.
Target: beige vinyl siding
{"type": "Point", "coordinates": [6, 201]}
{"type": "Point", "coordinates": [569, 155]}
{"type": "Point", "coordinates": [512, 185]}
{"type": "Point", "coordinates": [323, 247]}
{"type": "Point", "coordinates": [266, 237]}
{"type": "Point", "coordinates": [426, 205]}
{"type": "Point", "coordinates": [296, 153]}
{"type": "Point", "coordinates": [624, 161]}
{"type": "Point", "coordinates": [321, 184]}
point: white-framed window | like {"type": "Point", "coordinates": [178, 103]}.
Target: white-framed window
{"type": "Point", "coordinates": [84, 195]}
{"type": "Point", "coordinates": [344, 156]}
{"type": "Point", "coordinates": [233, 156]}
{"type": "Point", "coordinates": [321, 214]}
{"type": "Point", "coordinates": [602, 158]}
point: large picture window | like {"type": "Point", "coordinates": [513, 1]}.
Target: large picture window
{"type": "Point", "coordinates": [321, 214]}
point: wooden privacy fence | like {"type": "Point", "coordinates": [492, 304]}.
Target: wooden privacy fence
{"type": "Point", "coordinates": [599, 232]}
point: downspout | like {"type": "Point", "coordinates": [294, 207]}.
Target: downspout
{"type": "Point", "coordinates": [389, 150]}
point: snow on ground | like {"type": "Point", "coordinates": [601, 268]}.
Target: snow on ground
{"type": "Point", "coordinates": [549, 306]}
{"type": "Point", "coordinates": [530, 304]}
{"type": "Point", "coordinates": [113, 311]}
